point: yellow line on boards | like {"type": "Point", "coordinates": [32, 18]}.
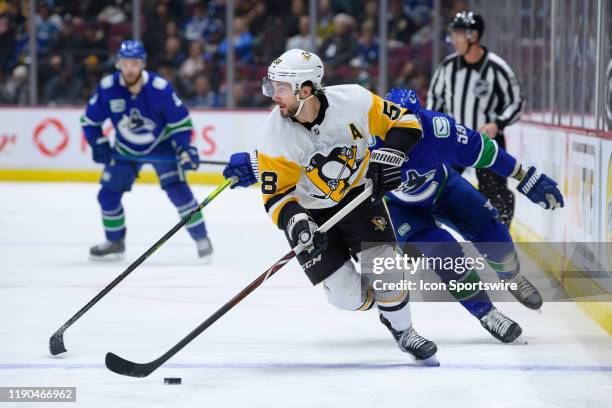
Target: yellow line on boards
{"type": "Point", "coordinates": [550, 260]}
{"type": "Point", "coordinates": [94, 176]}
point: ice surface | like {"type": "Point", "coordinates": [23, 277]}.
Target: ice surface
{"type": "Point", "coordinates": [282, 346]}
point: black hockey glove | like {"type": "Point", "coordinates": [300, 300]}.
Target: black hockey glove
{"type": "Point", "coordinates": [302, 230]}
{"type": "Point", "coordinates": [385, 171]}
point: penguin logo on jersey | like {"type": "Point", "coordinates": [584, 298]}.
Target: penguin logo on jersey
{"type": "Point", "coordinates": [136, 128]}
{"type": "Point", "coordinates": [380, 223]}
{"type": "Point", "coordinates": [332, 174]}
{"type": "Point", "coordinates": [481, 88]}
{"type": "Point", "coordinates": [418, 186]}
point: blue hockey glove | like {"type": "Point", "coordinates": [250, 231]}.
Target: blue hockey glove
{"type": "Point", "coordinates": [102, 151]}
{"type": "Point", "coordinates": [240, 166]}
{"type": "Point", "coordinates": [541, 189]}
{"type": "Point", "coordinates": [188, 158]}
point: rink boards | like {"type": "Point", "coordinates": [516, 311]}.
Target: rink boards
{"type": "Point", "coordinates": [47, 144]}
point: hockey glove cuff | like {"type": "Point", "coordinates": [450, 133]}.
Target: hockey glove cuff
{"type": "Point", "coordinates": [385, 171]}
{"type": "Point", "coordinates": [243, 166]}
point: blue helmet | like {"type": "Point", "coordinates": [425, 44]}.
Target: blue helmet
{"type": "Point", "coordinates": [406, 98]}
{"type": "Point", "coordinates": [132, 49]}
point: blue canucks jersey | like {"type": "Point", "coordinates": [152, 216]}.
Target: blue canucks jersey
{"type": "Point", "coordinates": [142, 121]}
{"type": "Point", "coordinates": [444, 143]}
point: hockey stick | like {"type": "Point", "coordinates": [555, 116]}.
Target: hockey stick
{"type": "Point", "coordinates": [56, 342]}
{"type": "Point", "coordinates": [161, 159]}
{"type": "Point", "coordinates": [122, 366]}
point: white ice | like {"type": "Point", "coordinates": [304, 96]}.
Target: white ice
{"type": "Point", "coordinates": [282, 346]}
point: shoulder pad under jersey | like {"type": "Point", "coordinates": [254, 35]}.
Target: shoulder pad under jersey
{"type": "Point", "coordinates": [159, 83]}
{"type": "Point", "coordinates": [107, 82]}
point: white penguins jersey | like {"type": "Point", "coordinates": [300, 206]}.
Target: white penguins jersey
{"type": "Point", "coordinates": [316, 167]}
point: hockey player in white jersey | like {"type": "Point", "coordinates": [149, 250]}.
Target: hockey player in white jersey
{"type": "Point", "coordinates": [312, 159]}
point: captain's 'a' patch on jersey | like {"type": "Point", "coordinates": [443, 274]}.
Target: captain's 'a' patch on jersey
{"type": "Point", "coordinates": [317, 165]}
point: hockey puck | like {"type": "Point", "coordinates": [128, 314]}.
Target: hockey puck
{"type": "Point", "coordinates": [172, 380]}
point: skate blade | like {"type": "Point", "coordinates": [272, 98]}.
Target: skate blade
{"type": "Point", "coordinates": [520, 340]}
{"type": "Point", "coordinates": [206, 259]}
{"type": "Point", "coordinates": [106, 258]}
{"type": "Point", "coordinates": [428, 362]}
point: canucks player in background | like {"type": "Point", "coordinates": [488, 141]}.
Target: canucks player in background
{"type": "Point", "coordinates": [149, 119]}
{"type": "Point", "coordinates": [432, 192]}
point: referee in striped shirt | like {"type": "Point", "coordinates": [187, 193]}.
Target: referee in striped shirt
{"type": "Point", "coordinates": [479, 89]}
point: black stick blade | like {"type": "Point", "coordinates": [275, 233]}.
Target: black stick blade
{"type": "Point", "coordinates": [124, 367]}
{"type": "Point", "coordinates": [56, 344]}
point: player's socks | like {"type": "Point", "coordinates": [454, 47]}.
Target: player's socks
{"type": "Point", "coordinates": [108, 251]}
{"type": "Point", "coordinates": [495, 242]}
{"type": "Point", "coordinates": [113, 216]}
{"type": "Point", "coordinates": [438, 243]}
{"type": "Point", "coordinates": [500, 326]}
{"type": "Point", "coordinates": [475, 301]}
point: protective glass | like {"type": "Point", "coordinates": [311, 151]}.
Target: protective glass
{"type": "Point", "coordinates": [271, 88]}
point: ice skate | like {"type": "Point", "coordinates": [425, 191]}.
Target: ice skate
{"type": "Point", "coordinates": [409, 341]}
{"type": "Point", "coordinates": [500, 326]}
{"type": "Point", "coordinates": [108, 251]}
{"type": "Point", "coordinates": [205, 249]}
{"type": "Point", "coordinates": [526, 293]}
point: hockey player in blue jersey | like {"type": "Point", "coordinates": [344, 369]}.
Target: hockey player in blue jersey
{"type": "Point", "coordinates": [432, 191]}
{"type": "Point", "coordinates": [149, 119]}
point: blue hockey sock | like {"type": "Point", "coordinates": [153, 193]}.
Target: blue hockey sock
{"type": "Point", "coordinates": [181, 196]}
{"type": "Point", "coordinates": [475, 301]}
{"type": "Point", "coordinates": [494, 241]}
{"type": "Point", "coordinates": [113, 218]}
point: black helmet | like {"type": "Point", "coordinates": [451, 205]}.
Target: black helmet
{"type": "Point", "coordinates": [467, 20]}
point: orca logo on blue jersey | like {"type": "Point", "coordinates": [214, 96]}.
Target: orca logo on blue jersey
{"type": "Point", "coordinates": [417, 187]}
{"type": "Point", "coordinates": [416, 181]}
{"type": "Point", "coordinates": [136, 128]}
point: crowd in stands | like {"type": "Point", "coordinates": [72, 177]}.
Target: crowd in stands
{"type": "Point", "coordinates": [185, 41]}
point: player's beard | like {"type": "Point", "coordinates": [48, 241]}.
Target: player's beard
{"type": "Point", "coordinates": [290, 112]}
{"type": "Point", "coordinates": [134, 82]}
